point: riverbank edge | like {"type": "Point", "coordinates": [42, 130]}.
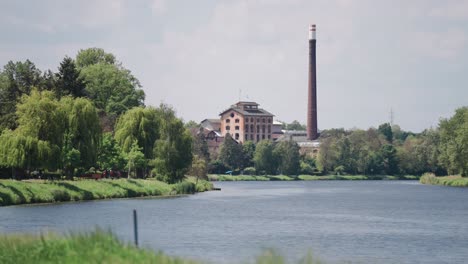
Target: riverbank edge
{"type": "Point", "coordinates": [97, 247]}
{"type": "Point", "coordinates": [51, 192]}
{"type": "Point", "coordinates": [452, 181]}
{"type": "Point", "coordinates": [219, 177]}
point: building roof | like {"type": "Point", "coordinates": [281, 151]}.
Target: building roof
{"type": "Point", "coordinates": [247, 112]}
{"type": "Point", "coordinates": [211, 120]}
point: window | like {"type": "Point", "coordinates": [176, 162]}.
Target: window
{"type": "Point", "coordinates": [237, 135]}
{"type": "Point", "coordinates": [258, 128]}
{"type": "Point", "coordinates": [258, 137]}
{"type": "Point", "coordinates": [251, 128]}
{"type": "Point", "coordinates": [232, 114]}
{"type": "Point", "coordinates": [258, 120]}
{"type": "Point", "coordinates": [246, 128]}
{"type": "Point", "coordinates": [237, 127]}
{"type": "Point", "coordinates": [237, 120]}
{"type": "Point", "coordinates": [228, 128]}
{"type": "Point", "coordinates": [269, 136]}
{"type": "Point", "coordinates": [263, 136]}
{"type": "Point", "coordinates": [269, 120]}
{"type": "Point", "coordinates": [228, 120]}
{"type": "Point", "coordinates": [263, 120]}
{"type": "Point", "coordinates": [269, 129]}
{"type": "Point", "coordinates": [263, 129]}
{"type": "Point", "coordinates": [246, 137]}
{"type": "Point", "coordinates": [251, 137]}
{"type": "Point", "coordinates": [251, 119]}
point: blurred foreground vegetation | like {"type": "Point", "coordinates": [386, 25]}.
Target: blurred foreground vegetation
{"type": "Point", "coordinates": [97, 247]}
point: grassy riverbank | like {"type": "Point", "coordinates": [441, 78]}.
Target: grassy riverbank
{"type": "Point", "coordinates": [214, 177]}
{"type": "Point", "coordinates": [96, 247]}
{"type": "Point", "coordinates": [40, 191]}
{"type": "Point", "coordinates": [454, 181]}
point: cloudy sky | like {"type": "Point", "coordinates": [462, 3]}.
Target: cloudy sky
{"type": "Point", "coordinates": [202, 56]}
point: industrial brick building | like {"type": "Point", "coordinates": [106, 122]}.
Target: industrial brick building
{"type": "Point", "coordinates": [246, 121]}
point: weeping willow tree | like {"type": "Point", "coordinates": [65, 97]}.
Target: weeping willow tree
{"type": "Point", "coordinates": [52, 134]}
{"type": "Point", "coordinates": [41, 116]}
{"type": "Point", "coordinates": [173, 151]}
{"type": "Point", "coordinates": [82, 130]}
{"type": "Point", "coordinates": [141, 125]}
{"type": "Point", "coordinates": [26, 152]}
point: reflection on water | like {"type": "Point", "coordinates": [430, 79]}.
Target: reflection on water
{"type": "Point", "coordinates": [363, 222]}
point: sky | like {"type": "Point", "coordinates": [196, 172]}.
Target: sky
{"type": "Point", "coordinates": [373, 56]}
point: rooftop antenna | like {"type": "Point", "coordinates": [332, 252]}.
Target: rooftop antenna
{"type": "Point", "coordinates": [240, 93]}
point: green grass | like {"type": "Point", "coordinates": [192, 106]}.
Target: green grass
{"type": "Point", "coordinates": [214, 177]}
{"type": "Point", "coordinates": [96, 247]}
{"type": "Point", "coordinates": [40, 191]}
{"type": "Point", "coordinates": [454, 181]}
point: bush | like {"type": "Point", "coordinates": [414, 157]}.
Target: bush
{"type": "Point", "coordinates": [185, 187]}
{"type": "Point", "coordinates": [249, 171]}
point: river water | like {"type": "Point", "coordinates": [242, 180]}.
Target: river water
{"type": "Point", "coordinates": [338, 221]}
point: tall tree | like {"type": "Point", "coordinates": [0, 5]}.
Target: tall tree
{"type": "Point", "coordinates": [288, 156]}
{"type": "Point", "coordinates": [16, 80]}
{"type": "Point", "coordinates": [69, 81]}
{"type": "Point", "coordinates": [265, 158]}
{"type": "Point", "coordinates": [454, 142]}
{"type": "Point", "coordinates": [93, 56]}
{"type": "Point", "coordinates": [112, 89]}
{"type": "Point", "coordinates": [140, 124]}
{"type": "Point", "coordinates": [173, 151]}
{"type": "Point", "coordinates": [386, 130]}
{"type": "Point", "coordinates": [231, 154]}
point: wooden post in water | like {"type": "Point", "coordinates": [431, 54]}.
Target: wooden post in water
{"type": "Point", "coordinates": [135, 226]}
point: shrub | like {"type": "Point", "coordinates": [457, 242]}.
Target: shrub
{"type": "Point", "coordinates": [249, 171]}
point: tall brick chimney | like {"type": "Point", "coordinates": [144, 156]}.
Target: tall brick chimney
{"type": "Point", "coordinates": [312, 133]}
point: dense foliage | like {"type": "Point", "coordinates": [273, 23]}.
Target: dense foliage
{"type": "Point", "coordinates": [54, 122]}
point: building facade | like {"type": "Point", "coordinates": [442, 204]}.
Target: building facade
{"type": "Point", "coordinates": [245, 121]}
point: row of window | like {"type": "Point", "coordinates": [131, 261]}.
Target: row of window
{"type": "Point", "coordinates": [251, 120]}
{"type": "Point", "coordinates": [264, 120]}
{"type": "Point", "coordinates": [258, 128]}
{"type": "Point", "coordinates": [229, 120]}
{"type": "Point", "coordinates": [251, 128]}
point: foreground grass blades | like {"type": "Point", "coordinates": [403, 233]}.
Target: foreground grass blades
{"type": "Point", "coordinates": [96, 247]}
{"type": "Point", "coordinates": [22, 192]}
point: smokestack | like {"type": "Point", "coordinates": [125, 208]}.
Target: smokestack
{"type": "Point", "coordinates": [312, 133]}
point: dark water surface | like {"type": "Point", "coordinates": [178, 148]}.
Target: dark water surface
{"type": "Point", "coordinates": [339, 221]}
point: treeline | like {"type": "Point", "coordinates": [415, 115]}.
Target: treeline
{"type": "Point", "coordinates": [88, 116]}
{"type": "Point", "coordinates": [387, 150]}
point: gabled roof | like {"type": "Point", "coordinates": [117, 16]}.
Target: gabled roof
{"type": "Point", "coordinates": [247, 112]}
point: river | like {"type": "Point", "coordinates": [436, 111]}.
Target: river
{"type": "Point", "coordinates": [338, 221]}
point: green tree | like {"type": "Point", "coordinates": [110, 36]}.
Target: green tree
{"type": "Point", "coordinates": [198, 168]}
{"type": "Point", "coordinates": [296, 125]}
{"type": "Point", "coordinates": [454, 142]}
{"type": "Point", "coordinates": [140, 124]}
{"type": "Point", "coordinates": [135, 160]}
{"type": "Point", "coordinates": [231, 154]}
{"type": "Point", "coordinates": [69, 81]}
{"type": "Point", "coordinates": [288, 156]}
{"type": "Point", "coordinates": [248, 150]}
{"type": "Point", "coordinates": [265, 158]}
{"type": "Point", "coordinates": [173, 151]}
{"type": "Point", "coordinates": [109, 153]}
{"type": "Point", "coordinates": [389, 159]}
{"type": "Point", "coordinates": [16, 79]}
{"type": "Point", "coordinates": [386, 130]}
{"type": "Point", "coordinates": [93, 56]}
{"type": "Point", "coordinates": [200, 145]}
{"type": "Point", "coordinates": [112, 89]}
